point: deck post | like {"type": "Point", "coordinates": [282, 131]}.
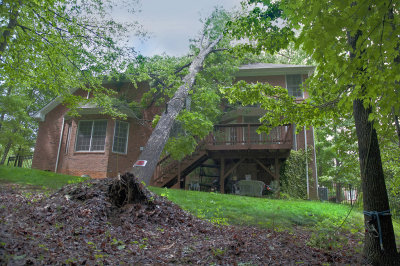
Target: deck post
{"type": "Point", "coordinates": [179, 174]}
{"type": "Point", "coordinates": [221, 177]}
{"type": "Point", "coordinates": [248, 134]}
{"type": "Point", "coordinates": [277, 177]}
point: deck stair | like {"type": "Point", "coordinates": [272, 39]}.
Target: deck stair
{"type": "Point", "coordinates": [168, 170]}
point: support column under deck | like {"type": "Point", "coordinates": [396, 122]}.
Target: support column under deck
{"type": "Point", "coordinates": [277, 176]}
{"type": "Point", "coordinates": [221, 177]}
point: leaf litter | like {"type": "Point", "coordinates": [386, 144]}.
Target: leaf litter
{"type": "Point", "coordinates": [88, 224]}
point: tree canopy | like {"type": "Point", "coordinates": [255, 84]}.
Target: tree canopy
{"type": "Point", "coordinates": [355, 46]}
{"type": "Point", "coordinates": [47, 48]}
{"type": "Point", "coordinates": [57, 45]}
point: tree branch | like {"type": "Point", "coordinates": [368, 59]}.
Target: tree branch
{"type": "Point", "coordinates": [12, 23]}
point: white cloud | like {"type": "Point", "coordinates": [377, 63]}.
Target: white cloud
{"type": "Point", "coordinates": [172, 23]}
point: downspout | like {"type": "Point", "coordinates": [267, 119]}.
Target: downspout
{"type": "Point", "coordinates": [294, 138]}
{"type": "Point", "coordinates": [59, 144]}
{"type": "Point", "coordinates": [305, 150]}
{"type": "Point", "coordinates": [315, 162]}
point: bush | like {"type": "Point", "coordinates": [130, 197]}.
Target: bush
{"type": "Point", "coordinates": [293, 174]}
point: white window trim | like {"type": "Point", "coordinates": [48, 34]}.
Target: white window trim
{"type": "Point", "coordinates": [302, 80]}
{"type": "Point", "coordinates": [127, 138]}
{"type": "Point", "coordinates": [91, 136]}
{"type": "Point", "coordinates": [68, 138]}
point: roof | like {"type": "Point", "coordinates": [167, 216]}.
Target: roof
{"type": "Point", "coordinates": [92, 108]}
{"type": "Point", "coordinates": [257, 69]}
{"type": "Point", "coordinates": [41, 114]}
{"type": "Point", "coordinates": [267, 69]}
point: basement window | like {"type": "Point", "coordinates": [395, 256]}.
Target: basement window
{"type": "Point", "coordinates": [121, 131]}
{"type": "Point", "coordinates": [293, 85]}
{"type": "Point", "coordinates": [91, 135]}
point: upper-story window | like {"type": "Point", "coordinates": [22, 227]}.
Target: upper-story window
{"type": "Point", "coordinates": [91, 135]}
{"type": "Point", "coordinates": [293, 85]}
{"type": "Point", "coordinates": [120, 137]}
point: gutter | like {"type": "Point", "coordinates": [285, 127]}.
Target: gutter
{"type": "Point", "coordinates": [315, 162]}
{"type": "Point", "coordinates": [305, 149]}
{"type": "Point", "coordinates": [59, 144]}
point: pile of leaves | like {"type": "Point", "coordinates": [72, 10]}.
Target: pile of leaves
{"type": "Point", "coordinates": [81, 224]}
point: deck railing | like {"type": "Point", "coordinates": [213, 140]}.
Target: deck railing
{"type": "Point", "coordinates": [241, 134]}
{"type": "Point", "coordinates": [230, 137]}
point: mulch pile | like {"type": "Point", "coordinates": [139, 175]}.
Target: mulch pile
{"type": "Point", "coordinates": [81, 225]}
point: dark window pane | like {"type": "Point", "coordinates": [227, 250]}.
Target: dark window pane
{"type": "Point", "coordinates": [294, 85]}
{"type": "Point", "coordinates": [120, 136]}
{"type": "Point", "coordinates": [99, 135]}
{"type": "Point", "coordinates": [91, 135]}
{"type": "Point", "coordinates": [83, 136]}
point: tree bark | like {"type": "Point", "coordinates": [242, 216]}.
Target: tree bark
{"type": "Point", "coordinates": [155, 144]}
{"type": "Point", "coordinates": [12, 23]}
{"type": "Point", "coordinates": [379, 244]}
{"type": "Point", "coordinates": [374, 191]}
{"type": "Point", "coordinates": [6, 151]}
{"type": "Point", "coordinates": [3, 114]}
{"type": "Point", "coordinates": [338, 192]}
{"type": "Point", "coordinates": [396, 122]}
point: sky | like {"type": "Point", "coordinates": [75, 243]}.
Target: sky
{"type": "Point", "coordinates": [171, 23]}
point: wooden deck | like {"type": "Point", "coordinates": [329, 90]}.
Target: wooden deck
{"type": "Point", "coordinates": [245, 137]}
{"type": "Point", "coordinates": [229, 141]}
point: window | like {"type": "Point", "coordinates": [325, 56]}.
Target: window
{"type": "Point", "coordinates": [91, 135]}
{"type": "Point", "coordinates": [293, 85]}
{"type": "Point", "coordinates": [120, 137]}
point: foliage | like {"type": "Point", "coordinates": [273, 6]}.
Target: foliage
{"type": "Point", "coordinates": [57, 45]}
{"type": "Point", "coordinates": [259, 30]}
{"type": "Point", "coordinates": [336, 150]}
{"type": "Point", "coordinates": [390, 153]}
{"type": "Point", "coordinates": [49, 47]}
{"type": "Point", "coordinates": [324, 38]}
{"type": "Point", "coordinates": [165, 75]}
{"type": "Point", "coordinates": [356, 48]}
{"type": "Point", "coordinates": [17, 128]}
{"type": "Point", "coordinates": [293, 174]}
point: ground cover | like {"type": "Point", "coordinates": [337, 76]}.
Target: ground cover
{"type": "Point", "coordinates": [80, 225]}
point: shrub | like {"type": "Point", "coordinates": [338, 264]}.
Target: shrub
{"type": "Point", "coordinates": [293, 174]}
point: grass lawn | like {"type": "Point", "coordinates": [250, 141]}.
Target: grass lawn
{"type": "Point", "coordinates": [37, 178]}
{"type": "Point", "coordinates": [241, 210]}
{"type": "Point", "coordinates": [322, 218]}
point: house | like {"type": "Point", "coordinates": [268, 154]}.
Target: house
{"type": "Point", "coordinates": [99, 146]}
{"type": "Point", "coordinates": [91, 144]}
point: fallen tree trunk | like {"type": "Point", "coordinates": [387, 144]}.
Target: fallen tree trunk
{"type": "Point", "coordinates": [155, 145]}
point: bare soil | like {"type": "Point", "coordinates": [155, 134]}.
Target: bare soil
{"type": "Point", "coordinates": [81, 225]}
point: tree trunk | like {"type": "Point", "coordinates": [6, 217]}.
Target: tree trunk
{"type": "Point", "coordinates": [6, 150]}
{"type": "Point", "coordinates": [3, 114]}
{"type": "Point", "coordinates": [396, 122]}
{"type": "Point", "coordinates": [155, 144]}
{"type": "Point", "coordinates": [8, 31]}
{"type": "Point", "coordinates": [339, 192]}
{"type": "Point", "coordinates": [375, 197]}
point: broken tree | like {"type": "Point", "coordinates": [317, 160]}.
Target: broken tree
{"type": "Point", "coordinates": [154, 147]}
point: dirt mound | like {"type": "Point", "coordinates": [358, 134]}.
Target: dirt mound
{"type": "Point", "coordinates": [95, 223]}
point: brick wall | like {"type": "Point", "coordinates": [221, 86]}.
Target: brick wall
{"type": "Point", "coordinates": [95, 164]}
{"type": "Point", "coordinates": [45, 154]}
